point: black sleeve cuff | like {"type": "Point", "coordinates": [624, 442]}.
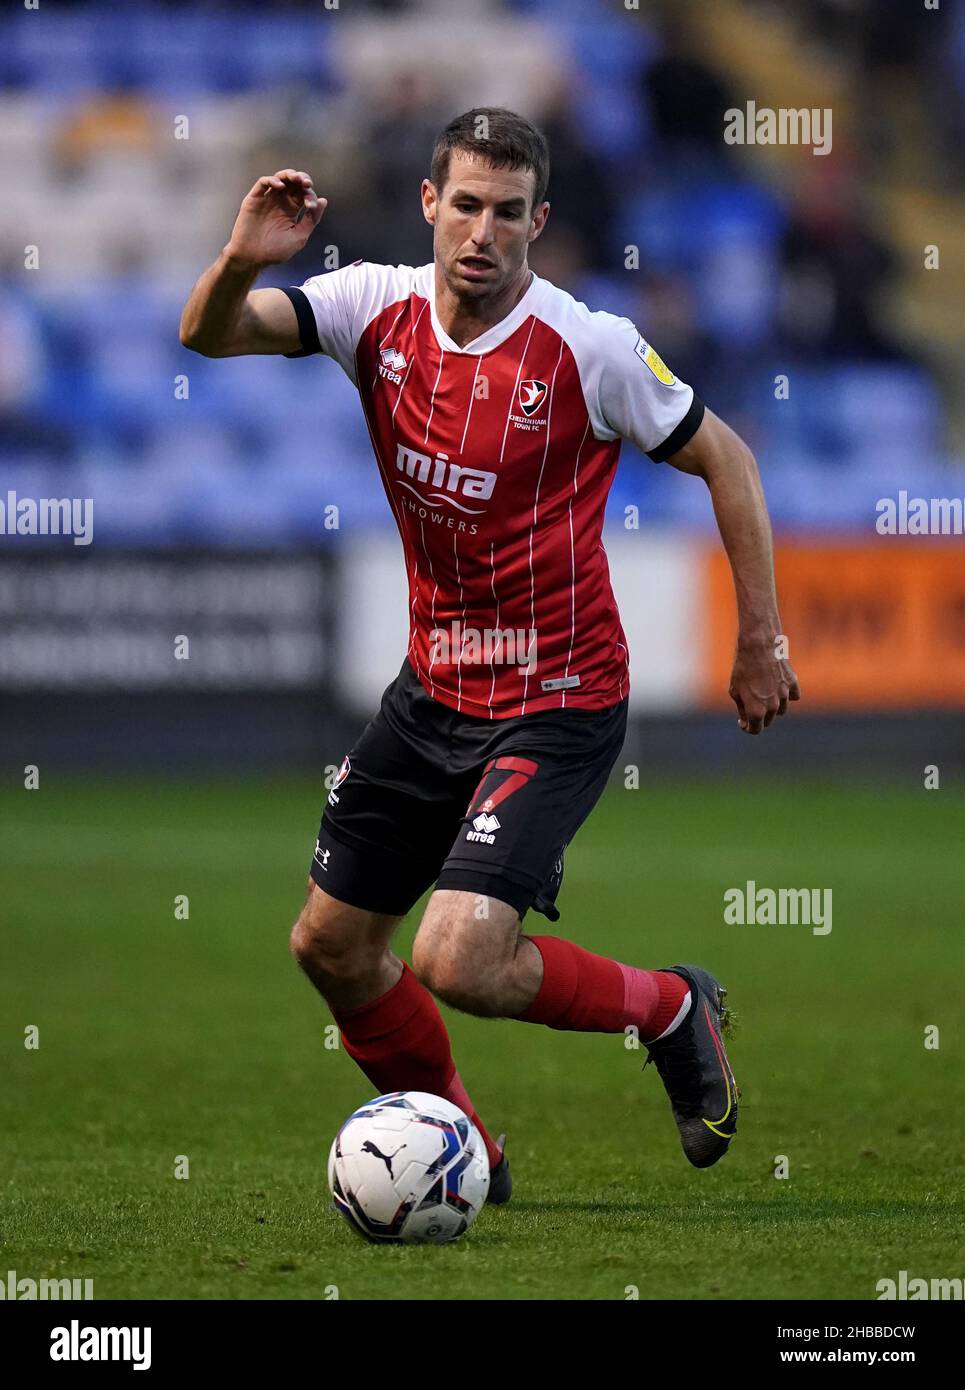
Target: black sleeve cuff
{"type": "Point", "coordinates": [682, 435]}
{"type": "Point", "coordinates": [307, 327]}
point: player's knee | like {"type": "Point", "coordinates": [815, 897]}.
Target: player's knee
{"type": "Point", "coordinates": [308, 941]}
{"type": "Point", "coordinates": [443, 959]}
{"type": "Point", "coordinates": [451, 980]}
{"type": "Point", "coordinates": [325, 939]}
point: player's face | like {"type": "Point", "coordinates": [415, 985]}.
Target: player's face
{"type": "Point", "coordinates": [484, 221]}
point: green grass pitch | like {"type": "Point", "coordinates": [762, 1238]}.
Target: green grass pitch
{"type": "Point", "coordinates": [162, 1037]}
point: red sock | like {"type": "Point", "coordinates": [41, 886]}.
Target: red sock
{"type": "Point", "coordinates": [401, 1043]}
{"type": "Point", "coordinates": [585, 993]}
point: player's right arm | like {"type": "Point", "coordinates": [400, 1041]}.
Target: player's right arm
{"type": "Point", "coordinates": [224, 315]}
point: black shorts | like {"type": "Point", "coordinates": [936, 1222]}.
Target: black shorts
{"type": "Point", "coordinates": [428, 795]}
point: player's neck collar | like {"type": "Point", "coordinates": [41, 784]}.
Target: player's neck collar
{"type": "Point", "coordinates": [496, 334]}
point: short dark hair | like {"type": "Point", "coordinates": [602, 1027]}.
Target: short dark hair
{"type": "Point", "coordinates": [505, 140]}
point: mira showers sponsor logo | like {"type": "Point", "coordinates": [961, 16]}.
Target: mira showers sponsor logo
{"type": "Point", "coordinates": [438, 481]}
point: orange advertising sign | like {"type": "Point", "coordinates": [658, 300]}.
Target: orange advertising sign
{"type": "Point", "coordinates": [876, 625]}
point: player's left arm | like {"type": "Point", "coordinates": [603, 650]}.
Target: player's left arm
{"type": "Point", "coordinates": [762, 682]}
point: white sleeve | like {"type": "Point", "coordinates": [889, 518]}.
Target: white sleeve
{"type": "Point", "coordinates": [637, 395]}
{"type": "Point", "coordinates": [333, 309]}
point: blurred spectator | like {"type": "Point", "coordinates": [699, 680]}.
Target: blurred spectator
{"type": "Point", "coordinates": [116, 127]}
{"type": "Point", "coordinates": [834, 270]}
{"type": "Point", "coordinates": [687, 97]}
{"type": "Point", "coordinates": [736, 278]}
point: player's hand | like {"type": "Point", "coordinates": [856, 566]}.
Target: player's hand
{"type": "Point", "coordinates": [278, 215]}
{"type": "Point", "coordinates": [761, 685]}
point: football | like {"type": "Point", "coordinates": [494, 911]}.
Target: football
{"type": "Point", "coordinates": [410, 1168]}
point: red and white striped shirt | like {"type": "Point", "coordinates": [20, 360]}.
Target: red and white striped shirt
{"type": "Point", "coordinates": [497, 459]}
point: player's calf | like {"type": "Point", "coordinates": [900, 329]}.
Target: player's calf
{"type": "Point", "coordinates": [388, 1022]}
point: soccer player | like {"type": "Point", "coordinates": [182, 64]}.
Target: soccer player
{"type": "Point", "coordinates": [496, 404]}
